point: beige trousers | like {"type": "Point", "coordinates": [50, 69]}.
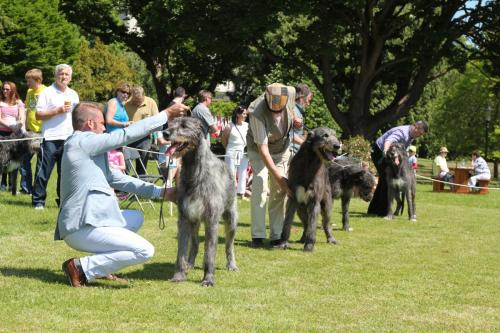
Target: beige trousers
{"type": "Point", "coordinates": [264, 195]}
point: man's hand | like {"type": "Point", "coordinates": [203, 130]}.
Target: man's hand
{"type": "Point", "coordinates": [283, 184]}
{"type": "Point", "coordinates": [170, 194]}
{"type": "Point", "coordinates": [297, 122]}
{"type": "Point", "coordinates": [176, 110]}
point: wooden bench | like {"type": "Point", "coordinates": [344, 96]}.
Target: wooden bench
{"type": "Point", "coordinates": [485, 184]}
{"type": "Point", "coordinates": [437, 186]}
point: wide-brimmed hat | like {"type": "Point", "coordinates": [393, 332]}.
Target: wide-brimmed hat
{"type": "Point", "coordinates": [276, 96]}
{"type": "Point", "coordinates": [443, 150]}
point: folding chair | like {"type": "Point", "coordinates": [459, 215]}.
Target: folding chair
{"type": "Point", "coordinates": [132, 155]}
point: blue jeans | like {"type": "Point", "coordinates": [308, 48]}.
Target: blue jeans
{"type": "Point", "coordinates": [26, 174]}
{"type": "Point", "coordinates": [50, 154]}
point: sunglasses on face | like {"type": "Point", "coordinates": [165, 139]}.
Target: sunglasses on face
{"type": "Point", "coordinates": [124, 92]}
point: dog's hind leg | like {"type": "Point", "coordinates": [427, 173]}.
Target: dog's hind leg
{"type": "Point", "coordinates": [182, 246]}
{"type": "Point", "coordinates": [291, 208]}
{"type": "Point", "coordinates": [326, 208]}
{"type": "Point", "coordinates": [211, 227]}
{"type": "Point", "coordinates": [13, 181]}
{"type": "Point", "coordinates": [230, 223]}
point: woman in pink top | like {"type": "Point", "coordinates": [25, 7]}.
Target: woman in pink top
{"type": "Point", "coordinates": [12, 116]}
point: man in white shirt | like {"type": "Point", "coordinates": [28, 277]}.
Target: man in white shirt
{"type": "Point", "coordinates": [54, 108]}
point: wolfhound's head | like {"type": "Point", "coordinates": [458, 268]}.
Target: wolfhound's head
{"type": "Point", "coordinates": [396, 154]}
{"type": "Point", "coordinates": [185, 134]}
{"type": "Point", "coordinates": [324, 143]}
{"type": "Point", "coordinates": [365, 184]}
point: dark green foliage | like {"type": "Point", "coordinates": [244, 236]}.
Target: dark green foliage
{"type": "Point", "coordinates": [34, 34]}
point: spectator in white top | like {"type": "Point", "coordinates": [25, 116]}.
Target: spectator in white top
{"type": "Point", "coordinates": [234, 139]}
{"type": "Point", "coordinates": [54, 108]}
{"type": "Point", "coordinates": [480, 171]}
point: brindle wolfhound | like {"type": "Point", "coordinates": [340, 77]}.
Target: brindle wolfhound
{"type": "Point", "coordinates": [205, 193]}
{"type": "Point", "coordinates": [308, 180]}
{"type": "Point", "coordinates": [400, 182]}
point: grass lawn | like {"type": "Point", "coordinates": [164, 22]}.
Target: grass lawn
{"type": "Point", "coordinates": [441, 274]}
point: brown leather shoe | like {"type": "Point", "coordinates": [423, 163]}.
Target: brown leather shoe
{"type": "Point", "coordinates": [74, 272]}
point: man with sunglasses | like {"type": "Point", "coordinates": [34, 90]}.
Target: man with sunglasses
{"type": "Point", "coordinates": [268, 143]}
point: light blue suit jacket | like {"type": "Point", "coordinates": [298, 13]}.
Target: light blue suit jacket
{"type": "Point", "coordinates": [87, 196]}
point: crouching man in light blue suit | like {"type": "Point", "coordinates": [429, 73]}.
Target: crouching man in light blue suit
{"type": "Point", "coordinates": [90, 219]}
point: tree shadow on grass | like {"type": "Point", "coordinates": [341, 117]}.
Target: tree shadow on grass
{"type": "Point", "coordinates": [12, 202]}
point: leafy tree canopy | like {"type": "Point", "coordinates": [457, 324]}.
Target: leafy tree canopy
{"type": "Point", "coordinates": [34, 34]}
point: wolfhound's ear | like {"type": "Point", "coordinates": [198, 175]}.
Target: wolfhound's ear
{"type": "Point", "coordinates": [310, 135]}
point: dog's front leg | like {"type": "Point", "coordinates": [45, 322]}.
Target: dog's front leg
{"type": "Point", "coordinates": [194, 229]}
{"type": "Point", "coordinates": [313, 209]}
{"type": "Point", "coordinates": [210, 250]}
{"type": "Point", "coordinates": [326, 208]}
{"type": "Point", "coordinates": [410, 200]}
{"type": "Point", "coordinates": [391, 193]}
{"type": "Point", "coordinates": [346, 199]}
{"type": "Point", "coordinates": [182, 246]}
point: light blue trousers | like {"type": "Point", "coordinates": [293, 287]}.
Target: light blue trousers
{"type": "Point", "coordinates": [114, 247]}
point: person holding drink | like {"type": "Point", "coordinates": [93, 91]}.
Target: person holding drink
{"type": "Point", "coordinates": [54, 107]}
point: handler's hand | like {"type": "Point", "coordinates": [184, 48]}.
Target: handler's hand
{"type": "Point", "coordinates": [176, 110]}
{"type": "Point", "coordinates": [170, 194]}
{"type": "Point", "coordinates": [283, 184]}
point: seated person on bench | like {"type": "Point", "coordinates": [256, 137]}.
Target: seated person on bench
{"type": "Point", "coordinates": [480, 169]}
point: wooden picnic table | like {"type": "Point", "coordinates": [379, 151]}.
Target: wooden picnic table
{"type": "Point", "coordinates": [462, 175]}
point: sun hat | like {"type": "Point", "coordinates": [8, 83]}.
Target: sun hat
{"type": "Point", "coordinates": [412, 149]}
{"type": "Point", "coordinates": [276, 96]}
{"type": "Point", "coordinates": [443, 150]}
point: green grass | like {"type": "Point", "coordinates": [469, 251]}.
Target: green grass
{"type": "Point", "coordinates": [439, 274]}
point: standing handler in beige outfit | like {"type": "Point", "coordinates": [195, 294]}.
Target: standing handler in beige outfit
{"type": "Point", "coordinates": [268, 141]}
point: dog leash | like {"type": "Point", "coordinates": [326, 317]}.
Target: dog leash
{"type": "Point", "coordinates": [161, 219]}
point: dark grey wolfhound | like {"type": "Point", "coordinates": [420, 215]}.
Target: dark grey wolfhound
{"type": "Point", "coordinates": [308, 180]}
{"type": "Point", "coordinates": [401, 182]}
{"type": "Point", "coordinates": [12, 152]}
{"type": "Point", "coordinates": [206, 193]}
{"type": "Point", "coordinates": [347, 176]}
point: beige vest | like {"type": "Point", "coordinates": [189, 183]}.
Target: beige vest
{"type": "Point", "coordinates": [278, 142]}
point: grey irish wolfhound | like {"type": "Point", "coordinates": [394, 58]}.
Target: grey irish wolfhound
{"type": "Point", "coordinates": [206, 193]}
{"type": "Point", "coordinates": [12, 153]}
{"type": "Point", "coordinates": [308, 180]}
{"type": "Point", "coordinates": [401, 182]}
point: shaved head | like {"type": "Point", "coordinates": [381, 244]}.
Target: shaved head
{"type": "Point", "coordinates": [85, 111]}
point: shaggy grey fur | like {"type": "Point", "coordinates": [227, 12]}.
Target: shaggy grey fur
{"type": "Point", "coordinates": [206, 192]}
{"type": "Point", "coordinates": [308, 180]}
{"type": "Point", "coordinates": [12, 153]}
{"type": "Point", "coordinates": [347, 177]}
{"type": "Point", "coordinates": [400, 182]}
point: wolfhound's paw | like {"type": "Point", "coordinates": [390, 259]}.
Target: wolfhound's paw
{"type": "Point", "coordinates": [388, 217]}
{"type": "Point", "coordinates": [331, 240]}
{"type": "Point", "coordinates": [413, 218]}
{"type": "Point", "coordinates": [232, 267]}
{"type": "Point", "coordinates": [308, 247]}
{"type": "Point", "coordinates": [346, 228]}
{"type": "Point", "coordinates": [208, 281]}
{"type": "Point", "coordinates": [178, 277]}
{"type": "Point", "coordinates": [283, 245]}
